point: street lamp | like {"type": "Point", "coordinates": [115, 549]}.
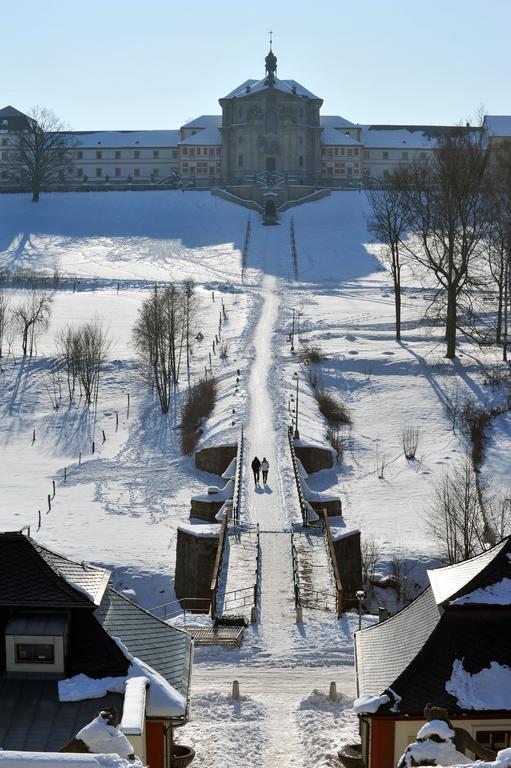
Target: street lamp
{"type": "Point", "coordinates": [297, 379]}
{"type": "Point", "coordinates": [293, 334]}
{"type": "Point", "coordinates": [360, 594]}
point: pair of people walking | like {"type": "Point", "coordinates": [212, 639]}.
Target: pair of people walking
{"type": "Point", "coordinates": [260, 466]}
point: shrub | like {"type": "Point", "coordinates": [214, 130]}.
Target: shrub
{"type": "Point", "coordinates": [336, 440]}
{"type": "Point", "coordinates": [314, 377]}
{"type": "Point", "coordinates": [197, 406]}
{"type": "Point", "coordinates": [474, 421]}
{"type": "Point", "coordinates": [311, 354]}
{"type": "Point", "coordinates": [332, 408]}
{"type": "Point", "coordinates": [410, 440]}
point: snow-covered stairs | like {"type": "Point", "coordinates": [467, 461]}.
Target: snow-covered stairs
{"type": "Point", "coordinates": [316, 583]}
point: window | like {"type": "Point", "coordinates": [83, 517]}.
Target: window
{"type": "Point", "coordinates": [323, 151]}
{"type": "Point", "coordinates": [385, 155]}
{"type": "Point", "coordinates": [211, 170]}
{"type": "Point", "coordinates": [494, 739]}
{"type": "Point", "coordinates": [136, 172]}
{"type": "Point", "coordinates": [192, 170]}
{"type": "Point", "coordinates": [349, 152]}
{"type": "Point", "coordinates": [367, 171]}
{"type": "Point", "coordinates": [99, 155]}
{"type": "Point", "coordinates": [343, 151]}
{"type": "Point", "coordinates": [366, 153]}
{"type": "Point", "coordinates": [117, 154]}
{"type": "Point", "coordinates": [4, 142]}
{"type": "Point", "coordinates": [300, 161]}
{"type": "Point", "coordinates": [404, 155]}
{"type": "Point", "coordinates": [174, 153]}
{"type": "Point", "coordinates": [136, 154]}
{"type": "Point", "coordinates": [117, 172]}
{"type": "Point", "coordinates": [337, 150]}
{"type": "Point", "coordinates": [4, 155]}
{"type": "Point", "coordinates": [98, 172]}
{"type": "Point", "coordinates": [329, 170]}
{"type": "Point", "coordinates": [156, 153]}
{"type": "Point", "coordinates": [385, 174]}
{"type": "Point", "coordinates": [3, 175]}
{"type": "Point", "coordinates": [156, 172]}
{"type": "Point", "coordinates": [79, 171]}
{"type": "Point", "coordinates": [330, 152]}
{"type": "Point", "coordinates": [35, 653]}
{"type": "Point", "coordinates": [185, 150]}
{"type": "Point", "coordinates": [356, 151]}
{"type": "Point", "coordinates": [202, 167]}
{"type": "Point", "coordinates": [192, 151]}
{"type": "Point", "coordinates": [240, 161]}
{"type": "Point", "coordinates": [198, 150]}
{"type": "Point", "coordinates": [350, 170]}
{"type": "Point", "coordinates": [211, 151]}
{"type": "Point", "coordinates": [270, 122]}
{"type": "Point", "coordinates": [79, 155]}
{"type": "Point", "coordinates": [218, 150]}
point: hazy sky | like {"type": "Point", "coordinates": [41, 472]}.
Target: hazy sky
{"type": "Point", "coordinates": [107, 64]}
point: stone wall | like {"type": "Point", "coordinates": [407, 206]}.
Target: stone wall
{"type": "Point", "coordinates": [206, 510]}
{"type": "Point", "coordinates": [314, 458]}
{"type": "Point", "coordinates": [349, 563]}
{"type": "Point", "coordinates": [195, 560]}
{"type": "Point", "coordinates": [215, 459]}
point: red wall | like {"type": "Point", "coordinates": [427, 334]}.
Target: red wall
{"type": "Point", "coordinates": [382, 744]}
{"type": "Point", "coordinates": [155, 744]}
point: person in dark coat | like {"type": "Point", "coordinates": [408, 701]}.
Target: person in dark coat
{"type": "Point", "coordinates": [256, 466]}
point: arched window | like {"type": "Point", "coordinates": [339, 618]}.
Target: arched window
{"type": "Point", "coordinates": [271, 122]}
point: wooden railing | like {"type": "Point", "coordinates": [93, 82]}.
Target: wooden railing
{"type": "Point", "coordinates": [339, 593]}
{"type": "Point", "coordinates": [296, 577]}
{"type": "Point", "coordinates": [294, 257]}
{"type": "Point", "coordinates": [184, 605]}
{"type": "Point", "coordinates": [301, 498]}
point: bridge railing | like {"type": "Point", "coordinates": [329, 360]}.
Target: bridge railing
{"type": "Point", "coordinates": [238, 480]}
{"type": "Point", "coordinates": [217, 567]}
{"type": "Point", "coordinates": [339, 592]}
{"type": "Point", "coordinates": [298, 482]}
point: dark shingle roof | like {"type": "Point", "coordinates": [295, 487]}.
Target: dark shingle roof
{"type": "Point", "coordinates": [475, 636]}
{"type": "Point", "coordinates": [33, 719]}
{"type": "Point", "coordinates": [384, 650]}
{"type": "Point", "coordinates": [9, 111]}
{"type": "Point", "coordinates": [29, 576]}
{"type": "Point", "coordinates": [166, 649]}
{"type": "Point", "coordinates": [91, 578]}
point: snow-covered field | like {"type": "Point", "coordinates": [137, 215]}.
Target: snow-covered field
{"type": "Point", "coordinates": [121, 504]}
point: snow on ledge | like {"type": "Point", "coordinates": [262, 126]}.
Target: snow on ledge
{"type": "Point", "coordinates": [205, 531]}
{"type": "Point", "coordinates": [487, 689]}
{"type": "Point", "coordinates": [369, 704]}
{"type": "Point", "coordinates": [342, 533]}
{"type": "Point", "coordinates": [436, 728]}
{"type": "Point", "coordinates": [133, 710]}
{"type": "Point", "coordinates": [12, 759]}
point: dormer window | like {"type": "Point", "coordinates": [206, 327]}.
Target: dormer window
{"type": "Point", "coordinates": [36, 643]}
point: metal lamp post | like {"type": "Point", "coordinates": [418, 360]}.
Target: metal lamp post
{"type": "Point", "coordinates": [297, 379]}
{"type": "Point", "coordinates": [360, 594]}
{"type": "Point", "coordinates": [293, 334]}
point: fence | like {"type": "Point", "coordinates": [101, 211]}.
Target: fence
{"type": "Point", "coordinates": [218, 565]}
{"type": "Point", "coordinates": [339, 593]}
{"type": "Point", "coordinates": [184, 605]}
{"type": "Point", "coordinates": [294, 257]}
{"type": "Point", "coordinates": [244, 254]}
{"type": "Point", "coordinates": [301, 498]}
{"type": "Point", "coordinates": [236, 496]}
{"type": "Point", "coordinates": [296, 576]}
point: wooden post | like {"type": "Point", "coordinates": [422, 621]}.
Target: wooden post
{"type": "Point", "coordinates": [65, 474]}
{"type": "Point", "coordinates": [210, 365]}
{"type": "Point", "coordinates": [213, 295]}
{"type": "Point", "coordinates": [128, 411]}
{"type": "Point", "coordinates": [79, 458]}
{"type": "Point", "coordinates": [93, 446]}
{"type": "Point", "coordinates": [104, 436]}
{"type": "Point", "coordinates": [53, 481]}
{"type": "Point", "coordinates": [39, 524]}
{"type": "Point", "coordinates": [49, 502]}
{"type": "Point", "coordinates": [116, 420]}
{"type": "Point", "coordinates": [33, 436]}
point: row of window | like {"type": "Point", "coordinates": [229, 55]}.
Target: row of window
{"type": "Point", "coordinates": [117, 172]}
{"type": "Point", "coordinates": [206, 151]}
{"type": "Point", "coordinates": [340, 151]}
{"type": "Point", "coordinates": [200, 168]}
{"type": "Point", "coordinates": [340, 169]}
{"type": "Point", "coordinates": [118, 154]}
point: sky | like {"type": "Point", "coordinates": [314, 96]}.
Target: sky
{"type": "Point", "coordinates": [142, 64]}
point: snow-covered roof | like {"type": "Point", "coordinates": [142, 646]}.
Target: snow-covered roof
{"type": "Point", "coordinates": [335, 121]}
{"type": "Point", "coordinates": [399, 138]}
{"type": "Point", "coordinates": [207, 136]}
{"type": "Point", "coordinates": [292, 87]}
{"type": "Point", "coordinates": [330, 137]}
{"type": "Point", "coordinates": [119, 139]}
{"type": "Point", "coordinates": [204, 121]}
{"type": "Point", "coordinates": [22, 759]}
{"type": "Point", "coordinates": [498, 125]}
{"type": "Point", "coordinates": [447, 582]}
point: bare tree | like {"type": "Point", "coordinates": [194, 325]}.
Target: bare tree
{"type": "Point", "coordinates": [410, 440]}
{"type": "Point", "coordinates": [83, 352]}
{"type": "Point", "coordinates": [159, 334]}
{"type": "Point", "coordinates": [4, 318]}
{"type": "Point", "coordinates": [456, 517]}
{"type": "Point", "coordinates": [388, 225]}
{"type": "Point", "coordinates": [32, 317]}
{"type": "Point", "coordinates": [449, 217]}
{"type": "Point", "coordinates": [191, 306]}
{"type": "Point", "coordinates": [371, 556]}
{"type": "Point", "coordinates": [499, 240]}
{"type": "Point", "coordinates": [40, 154]}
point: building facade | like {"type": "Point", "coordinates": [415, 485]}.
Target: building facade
{"type": "Point", "coordinates": [268, 128]}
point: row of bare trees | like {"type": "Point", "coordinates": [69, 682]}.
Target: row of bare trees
{"type": "Point", "coordinates": [448, 218]}
{"type": "Point", "coordinates": [163, 335]}
{"type": "Point", "coordinates": [27, 319]}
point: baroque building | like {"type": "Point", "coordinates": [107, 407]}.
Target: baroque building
{"type": "Point", "coordinates": [269, 130]}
